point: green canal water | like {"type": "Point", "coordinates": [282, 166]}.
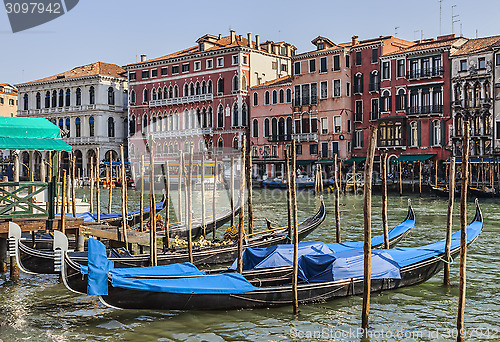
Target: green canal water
{"type": "Point", "coordinates": [39, 308]}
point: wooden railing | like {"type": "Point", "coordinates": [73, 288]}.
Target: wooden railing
{"type": "Point", "coordinates": [18, 199]}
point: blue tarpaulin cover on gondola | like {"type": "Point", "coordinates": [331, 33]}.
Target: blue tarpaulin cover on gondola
{"type": "Point", "coordinates": [98, 268]}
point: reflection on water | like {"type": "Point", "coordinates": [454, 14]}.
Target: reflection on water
{"type": "Point", "coordinates": [38, 308]}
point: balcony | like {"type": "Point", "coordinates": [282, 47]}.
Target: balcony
{"type": "Point", "coordinates": [70, 109]}
{"type": "Point", "coordinates": [427, 72]}
{"type": "Point", "coordinates": [374, 86]}
{"type": "Point", "coordinates": [181, 100]}
{"type": "Point", "coordinates": [182, 133]}
{"type": "Point", "coordinates": [425, 110]}
{"type": "Point", "coordinates": [300, 137]}
{"type": "Point", "coordinates": [92, 140]}
{"type": "Point", "coordinates": [279, 138]}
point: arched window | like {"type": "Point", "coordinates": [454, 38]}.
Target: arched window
{"type": "Point", "coordinates": [477, 94]}
{"type": "Point", "coordinates": [132, 125]}
{"type": "Point", "coordinates": [153, 123]}
{"type": "Point", "coordinates": [274, 129]}
{"type": "Point", "coordinates": [281, 129]}
{"type": "Point", "coordinates": [220, 145]}
{"type": "Point", "coordinates": [54, 98]}
{"type": "Point", "coordinates": [145, 124]}
{"type": "Point", "coordinates": [38, 100]}
{"type": "Point", "coordinates": [236, 143]}
{"type": "Point", "coordinates": [209, 87]}
{"type": "Point", "coordinates": [266, 98]}
{"type": "Point", "coordinates": [244, 114]}
{"type": "Point", "coordinates": [401, 100]}
{"type": "Point", "coordinates": [204, 118]}
{"type": "Point", "coordinates": [458, 92]}
{"type": "Point", "coordinates": [111, 96]}
{"type": "Point", "coordinates": [111, 127]}
{"type": "Point", "coordinates": [282, 96]}
{"type": "Point", "coordinates": [275, 96]}
{"type": "Point", "coordinates": [61, 124]}
{"type": "Point", "coordinates": [220, 117]}
{"type": "Point", "coordinates": [68, 97]}
{"type": "Point", "coordinates": [236, 85]}
{"type": "Point", "coordinates": [386, 105]}
{"type": "Point", "coordinates": [255, 99]}
{"type": "Point", "coordinates": [186, 90]}
{"type": "Point", "coordinates": [203, 87]}
{"type": "Point", "coordinates": [244, 83]}
{"type": "Point", "coordinates": [191, 89]}
{"type": "Point", "coordinates": [220, 86]}
{"type": "Point", "coordinates": [160, 94]}
{"type": "Point", "coordinates": [92, 95]}
{"type": "Point", "coordinates": [413, 134]}
{"type": "Point", "coordinates": [266, 128]}
{"type": "Point", "coordinates": [145, 96]}
{"type": "Point", "coordinates": [47, 99]}
{"type": "Point", "coordinates": [289, 95]}
{"type": "Point", "coordinates": [487, 90]}
{"type": "Point", "coordinates": [132, 97]}
{"type": "Point", "coordinates": [91, 126]}
{"type": "Point", "coordinates": [255, 128]}
{"type": "Point", "coordinates": [153, 94]}
{"type": "Point", "coordinates": [78, 97]}
{"type": "Point", "coordinates": [198, 118]}
{"type": "Point", "coordinates": [78, 127]}
{"type": "Point", "coordinates": [176, 120]}
{"type": "Point", "coordinates": [458, 125]}
{"type": "Point", "coordinates": [176, 91]}
{"type": "Point", "coordinates": [25, 102]}
{"type": "Point", "coordinates": [210, 117]}
{"type": "Point", "coordinates": [61, 98]}
{"type": "Point", "coordinates": [235, 115]}
{"type": "Point", "coordinates": [165, 92]}
{"type": "Point", "coordinates": [468, 95]}
{"type": "Point", "coordinates": [198, 88]}
{"type": "Point", "coordinates": [68, 126]}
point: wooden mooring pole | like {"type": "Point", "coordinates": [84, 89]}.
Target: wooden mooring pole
{"type": "Point", "coordinates": [63, 203]}
{"type": "Point", "coordinates": [203, 211]}
{"type": "Point", "coordinates": [141, 197]}
{"type": "Point", "coordinates": [110, 183]}
{"type": "Point", "coordinates": [124, 199]}
{"type": "Point", "coordinates": [231, 192]}
{"type": "Point", "coordinates": [241, 221]}
{"type": "Point", "coordinates": [295, 232]}
{"type": "Point", "coordinates": [367, 208]}
{"type": "Point", "coordinates": [189, 211]}
{"type": "Point", "coordinates": [166, 241]}
{"type": "Point", "coordinates": [214, 214]}
{"type": "Point", "coordinates": [385, 225]}
{"type": "Point", "coordinates": [463, 234]}
{"type": "Point", "coordinates": [337, 199]}
{"type": "Point", "coordinates": [250, 193]}
{"type": "Point", "coordinates": [179, 187]}
{"type": "Point", "coordinates": [98, 186]}
{"type": "Point", "coordinates": [153, 259]}
{"type": "Point", "coordinates": [449, 222]}
{"type": "Point", "coordinates": [289, 193]}
{"type": "Point", "coordinates": [400, 179]}
{"type": "Point", "coordinates": [73, 197]}
{"type": "Point", "coordinates": [91, 181]}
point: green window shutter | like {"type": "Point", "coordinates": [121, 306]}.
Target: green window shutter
{"type": "Point", "coordinates": [443, 133]}
{"type": "Point", "coordinates": [408, 134]}
{"type": "Point", "coordinates": [419, 133]}
{"type": "Point", "coordinates": [431, 133]}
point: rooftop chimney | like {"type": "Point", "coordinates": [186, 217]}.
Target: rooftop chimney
{"type": "Point", "coordinates": [354, 40]}
{"type": "Point", "coordinates": [257, 41]}
{"type": "Point", "coordinates": [220, 36]}
{"type": "Point", "coordinates": [233, 36]}
{"type": "Point", "coordinates": [143, 58]}
{"type": "Point", "coordinates": [249, 37]}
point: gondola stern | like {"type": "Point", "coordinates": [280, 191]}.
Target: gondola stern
{"type": "Point", "coordinates": [60, 247]}
{"type": "Point", "coordinates": [411, 213]}
{"type": "Point", "coordinates": [479, 214]}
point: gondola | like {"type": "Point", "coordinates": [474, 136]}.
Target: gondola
{"type": "Point", "coordinates": [322, 277]}
{"type": "Point", "coordinates": [44, 260]}
{"type": "Point", "coordinates": [77, 282]}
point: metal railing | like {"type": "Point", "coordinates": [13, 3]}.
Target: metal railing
{"type": "Point", "coordinates": [305, 137]}
{"type": "Point", "coordinates": [418, 110]}
{"type": "Point", "coordinates": [181, 100]}
{"type": "Point", "coordinates": [426, 72]}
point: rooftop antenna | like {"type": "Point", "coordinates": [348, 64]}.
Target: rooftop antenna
{"type": "Point", "coordinates": [396, 31]}
{"type": "Point", "coordinates": [453, 21]}
{"type": "Point", "coordinates": [440, 15]}
{"type": "Point", "coordinates": [461, 31]}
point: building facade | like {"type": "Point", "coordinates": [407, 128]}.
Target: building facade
{"type": "Point", "coordinates": [8, 100]}
{"type": "Point", "coordinates": [89, 105]}
{"type": "Point", "coordinates": [200, 96]}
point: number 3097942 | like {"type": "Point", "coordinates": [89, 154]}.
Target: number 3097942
{"type": "Point", "coordinates": [32, 7]}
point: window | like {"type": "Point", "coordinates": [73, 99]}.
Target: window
{"type": "Point", "coordinates": [145, 74]}
{"type": "Point", "coordinates": [154, 73]}
{"type": "Point", "coordinates": [210, 63]}
{"type": "Point", "coordinates": [296, 68]}
{"type": "Point", "coordinates": [132, 125]}
{"type": "Point", "coordinates": [375, 55]}
{"type": "Point", "coordinates": [463, 65]}
{"type": "Point", "coordinates": [236, 59]}
{"type": "Point", "coordinates": [435, 133]}
{"type": "Point", "coordinates": [313, 149]}
{"type": "Point", "coordinates": [358, 112]}
{"type": "Point", "coordinates": [47, 99]}
{"type": "Point", "coordinates": [400, 72]}
{"type": "Point", "coordinates": [322, 65]}
{"type": "Point", "coordinates": [497, 62]}
{"type": "Point", "coordinates": [358, 84]}
{"type": "Point", "coordinates": [185, 67]}
{"type": "Point", "coordinates": [267, 98]}
{"type": "Point", "coordinates": [358, 58]}
{"type": "Point", "coordinates": [348, 88]}
{"type": "Point", "coordinates": [337, 124]}
{"type": "Point", "coordinates": [68, 97]}
{"type": "Point", "coordinates": [374, 109]}
{"type": "Point", "coordinates": [164, 71]}
{"type": "Point", "coordinates": [390, 133]}
{"type": "Point", "coordinates": [91, 126]}
{"type": "Point", "coordinates": [78, 127]}
{"type": "Point", "coordinates": [401, 100]}
{"type": "Point", "coordinates": [347, 61]}
{"type": "Point", "coordinates": [298, 149]}
{"type": "Point", "coordinates": [245, 60]}
{"type": "Point", "coordinates": [111, 96]}
{"type": "Point", "coordinates": [38, 100]}
{"type": "Point", "coordinates": [197, 65]}
{"type": "Point", "coordinates": [92, 95]}
{"type": "Point", "coordinates": [481, 63]}
{"type": "Point", "coordinates": [145, 96]}
{"type": "Point", "coordinates": [324, 125]}
{"type": "Point", "coordinates": [289, 95]}
{"type": "Point", "coordinates": [414, 134]}
{"type": "Point", "coordinates": [336, 88]}
{"type": "Point", "coordinates": [54, 98]}
{"type": "Point", "coordinates": [282, 96]}
{"type": "Point", "coordinates": [132, 76]}
{"type": "Point", "coordinates": [348, 126]}
{"type": "Point", "coordinates": [284, 67]}
{"type": "Point", "coordinates": [386, 68]}
{"type": "Point", "coordinates": [220, 61]}
{"type": "Point", "coordinates": [220, 86]}
{"type": "Point", "coordinates": [426, 68]}
{"type": "Point", "coordinates": [266, 127]}
{"type": "Point", "coordinates": [220, 117]}
{"type": "Point", "coordinates": [111, 127]}
{"type": "Point", "coordinates": [321, 46]}
{"type": "Point", "coordinates": [274, 65]}
{"type": "Point", "coordinates": [374, 82]}
{"type": "Point", "coordinates": [236, 85]}
{"type": "Point", "coordinates": [255, 128]}
{"type": "Point", "coordinates": [312, 65]}
{"type": "Point", "coordinates": [244, 114]}
{"type": "Point", "coordinates": [323, 90]}
{"type": "Point", "coordinates": [386, 104]}
{"type": "Point", "coordinates": [255, 99]}
{"type": "Point", "coordinates": [78, 97]}
{"type": "Point", "coordinates": [336, 62]}
{"type": "Point", "coordinates": [68, 126]}
{"type": "Point", "coordinates": [25, 102]}
{"type": "Point", "coordinates": [358, 139]}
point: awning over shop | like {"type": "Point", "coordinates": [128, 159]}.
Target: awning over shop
{"type": "Point", "coordinates": [475, 160]}
{"type": "Point", "coordinates": [354, 160]}
{"type": "Point", "coordinates": [325, 162]}
{"type": "Point", "coordinates": [414, 157]}
{"type": "Point", "coordinates": [30, 134]}
{"type": "Point", "coordinates": [305, 162]}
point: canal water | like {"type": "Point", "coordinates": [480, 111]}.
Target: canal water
{"type": "Point", "coordinates": [39, 308]}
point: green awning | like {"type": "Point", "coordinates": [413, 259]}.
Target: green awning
{"type": "Point", "coordinates": [325, 161]}
{"type": "Point", "coordinates": [414, 157]}
{"type": "Point", "coordinates": [305, 162]}
{"type": "Point", "coordinates": [354, 160]}
{"type": "Point", "coordinates": [30, 134]}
